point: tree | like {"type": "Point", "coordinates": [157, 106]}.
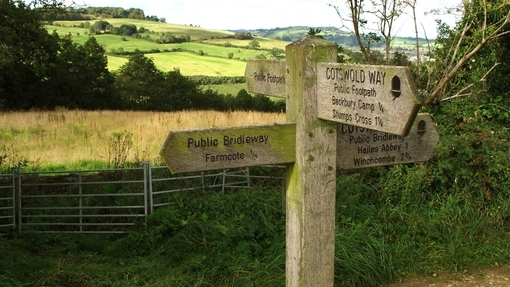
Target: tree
{"type": "Point", "coordinates": [482, 24]}
{"type": "Point", "coordinates": [138, 82]}
{"type": "Point", "coordinates": [180, 93]}
{"type": "Point", "coordinates": [254, 44]}
{"type": "Point", "coordinates": [358, 23]}
{"type": "Point", "coordinates": [100, 27]}
{"type": "Point", "coordinates": [97, 79]}
{"type": "Point", "coordinates": [243, 101]}
{"type": "Point", "coordinates": [412, 5]}
{"type": "Point", "coordinates": [26, 51]}
{"type": "Point", "coordinates": [276, 52]}
{"type": "Point", "coordinates": [399, 59]}
{"type": "Point", "coordinates": [141, 86]}
{"type": "Point", "coordinates": [387, 11]}
{"type": "Point", "coordinates": [127, 30]}
{"type": "Point", "coordinates": [243, 35]}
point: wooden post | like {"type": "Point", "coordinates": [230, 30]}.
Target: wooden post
{"type": "Point", "coordinates": [311, 180]}
{"type": "Point", "coordinates": [320, 93]}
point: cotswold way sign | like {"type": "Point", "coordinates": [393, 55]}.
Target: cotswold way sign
{"type": "Point", "coordinates": [312, 143]}
{"type": "Point", "coordinates": [382, 98]}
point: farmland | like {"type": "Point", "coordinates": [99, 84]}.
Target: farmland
{"type": "Point", "coordinates": [81, 139]}
{"type": "Point", "coordinates": [447, 215]}
{"type": "Point", "coordinates": [211, 52]}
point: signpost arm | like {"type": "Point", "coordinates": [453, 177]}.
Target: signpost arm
{"type": "Point", "coordinates": [311, 180]}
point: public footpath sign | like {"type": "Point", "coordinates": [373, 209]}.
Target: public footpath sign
{"type": "Point", "coordinates": [363, 148]}
{"type": "Point", "coordinates": [266, 77]}
{"type": "Point", "coordinates": [230, 147]}
{"type": "Point", "coordinates": [382, 98]}
{"type": "Point", "coordinates": [338, 116]}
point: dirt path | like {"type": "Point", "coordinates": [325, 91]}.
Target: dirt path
{"type": "Point", "coordinates": [494, 277]}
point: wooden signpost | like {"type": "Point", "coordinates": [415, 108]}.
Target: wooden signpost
{"type": "Point", "coordinates": [376, 106]}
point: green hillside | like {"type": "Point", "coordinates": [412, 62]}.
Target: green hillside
{"type": "Point", "coordinates": [210, 52]}
{"type": "Point", "coordinates": [332, 34]}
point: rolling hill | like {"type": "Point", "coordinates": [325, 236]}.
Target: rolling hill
{"type": "Point", "coordinates": [210, 52]}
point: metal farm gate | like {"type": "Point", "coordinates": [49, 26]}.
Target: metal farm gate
{"type": "Point", "coordinates": [103, 200]}
{"type": "Point", "coordinates": [7, 202]}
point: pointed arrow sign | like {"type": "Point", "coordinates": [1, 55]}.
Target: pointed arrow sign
{"type": "Point", "coordinates": [382, 98]}
{"type": "Point", "coordinates": [362, 148]}
{"type": "Point", "coordinates": [229, 147]}
{"type": "Point", "coordinates": [266, 77]}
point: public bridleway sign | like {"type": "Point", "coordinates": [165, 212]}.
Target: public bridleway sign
{"type": "Point", "coordinates": [229, 147]}
{"type": "Point", "coordinates": [363, 148]}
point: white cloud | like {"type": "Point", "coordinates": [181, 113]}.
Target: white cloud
{"type": "Point", "coordinates": [235, 14]}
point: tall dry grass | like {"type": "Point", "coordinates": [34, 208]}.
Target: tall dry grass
{"type": "Point", "coordinates": [65, 137]}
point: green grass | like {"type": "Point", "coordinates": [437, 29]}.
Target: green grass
{"type": "Point", "coordinates": [64, 30]}
{"type": "Point", "coordinates": [387, 227]}
{"type": "Point", "coordinates": [265, 43]}
{"type": "Point", "coordinates": [193, 64]}
{"type": "Point", "coordinates": [219, 51]}
{"type": "Point", "coordinates": [115, 62]}
{"type": "Point", "coordinates": [233, 89]}
{"type": "Point", "coordinates": [195, 33]}
{"type": "Point", "coordinates": [215, 59]}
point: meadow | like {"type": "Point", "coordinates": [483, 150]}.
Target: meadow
{"type": "Point", "coordinates": [80, 139]}
{"type": "Point", "coordinates": [211, 52]}
{"type": "Point", "coordinates": [195, 33]}
{"type": "Point", "coordinates": [194, 64]}
{"type": "Point", "coordinates": [447, 215]}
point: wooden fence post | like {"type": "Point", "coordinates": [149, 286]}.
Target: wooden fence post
{"type": "Point", "coordinates": [311, 180]}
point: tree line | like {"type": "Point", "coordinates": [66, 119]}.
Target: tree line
{"type": "Point", "coordinates": [39, 70]}
{"type": "Point", "coordinates": [89, 13]}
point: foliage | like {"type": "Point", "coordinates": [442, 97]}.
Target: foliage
{"type": "Point", "coordinates": [243, 35]}
{"type": "Point", "coordinates": [39, 70]}
{"type": "Point", "coordinates": [80, 77]}
{"type": "Point", "coordinates": [138, 83]}
{"type": "Point", "coordinates": [466, 54]}
{"type": "Point", "coordinates": [315, 32]}
{"type": "Point", "coordinates": [10, 157]}
{"type": "Point", "coordinates": [254, 44]}
{"type": "Point", "coordinates": [391, 222]}
{"type": "Point", "coordinates": [21, 68]}
{"type": "Point", "coordinates": [109, 12]}
{"type": "Point", "coordinates": [119, 146]}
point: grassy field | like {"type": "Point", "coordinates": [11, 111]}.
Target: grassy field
{"type": "Point", "coordinates": [210, 53]}
{"type": "Point", "coordinates": [196, 33]}
{"type": "Point", "coordinates": [59, 139]}
{"type": "Point", "coordinates": [193, 64]}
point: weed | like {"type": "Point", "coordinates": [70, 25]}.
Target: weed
{"type": "Point", "coordinates": [119, 145]}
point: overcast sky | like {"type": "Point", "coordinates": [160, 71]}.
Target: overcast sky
{"type": "Point", "coordinates": [254, 14]}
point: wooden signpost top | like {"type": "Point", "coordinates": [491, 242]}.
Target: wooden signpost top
{"type": "Point", "coordinates": [382, 98]}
